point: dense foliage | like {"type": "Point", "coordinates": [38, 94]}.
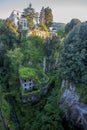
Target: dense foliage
{"type": "Point", "coordinates": [46, 16]}
{"type": "Point", "coordinates": [73, 55]}
{"type": "Point", "coordinates": [61, 32]}
{"type": "Point", "coordinates": [45, 60]}
{"type": "Point", "coordinates": [30, 53]}
{"type": "Point", "coordinates": [30, 14]}
{"type": "Point", "coordinates": [69, 26]}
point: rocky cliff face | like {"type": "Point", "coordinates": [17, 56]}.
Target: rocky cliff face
{"type": "Point", "coordinates": [74, 111]}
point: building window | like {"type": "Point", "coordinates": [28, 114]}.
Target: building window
{"type": "Point", "coordinates": [29, 79]}
{"type": "Point", "coordinates": [25, 80]}
{"type": "Point", "coordinates": [17, 13]}
{"type": "Point", "coordinates": [29, 84]}
{"type": "Point", "coordinates": [24, 24]}
{"type": "Point", "coordinates": [24, 84]}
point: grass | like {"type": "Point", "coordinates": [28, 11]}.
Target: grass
{"type": "Point", "coordinates": [26, 72]}
{"type": "Point", "coordinates": [37, 76]}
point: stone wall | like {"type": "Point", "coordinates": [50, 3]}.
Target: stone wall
{"type": "Point", "coordinates": [35, 96]}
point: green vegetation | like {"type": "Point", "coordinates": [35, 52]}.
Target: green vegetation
{"type": "Point", "coordinates": [30, 14]}
{"type": "Point", "coordinates": [46, 16]}
{"type": "Point", "coordinates": [45, 61]}
{"type": "Point", "coordinates": [81, 89]}
{"type": "Point", "coordinates": [28, 93]}
{"type": "Point", "coordinates": [42, 27]}
{"type": "Point", "coordinates": [45, 115]}
{"type": "Point", "coordinates": [73, 59]}
{"type": "Point", "coordinates": [1, 22]}
{"type": "Point", "coordinates": [39, 77]}
{"type": "Point", "coordinates": [25, 59]}
{"type": "Point", "coordinates": [1, 123]}
{"type": "Point", "coordinates": [61, 32]}
{"type": "Point", "coordinates": [69, 26]}
{"type": "Point", "coordinates": [5, 108]}
{"type": "Point", "coordinates": [26, 72]}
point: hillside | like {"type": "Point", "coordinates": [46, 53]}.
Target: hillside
{"type": "Point", "coordinates": [43, 74]}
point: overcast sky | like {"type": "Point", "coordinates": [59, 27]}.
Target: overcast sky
{"type": "Point", "coordinates": [63, 10]}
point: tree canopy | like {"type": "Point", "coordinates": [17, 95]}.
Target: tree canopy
{"type": "Point", "coordinates": [69, 26]}
{"type": "Point", "coordinates": [29, 14]}
{"type": "Point", "coordinates": [73, 60]}
{"type": "Point", "coordinates": [46, 16]}
{"type": "Point", "coordinates": [7, 37]}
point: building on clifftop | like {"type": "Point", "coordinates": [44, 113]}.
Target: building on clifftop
{"type": "Point", "coordinates": [18, 20]}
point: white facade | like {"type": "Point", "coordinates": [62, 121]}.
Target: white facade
{"type": "Point", "coordinates": [23, 23]}
{"type": "Point", "coordinates": [17, 20]}
{"type": "Point", "coordinates": [15, 16]}
{"type": "Point", "coordinates": [53, 29]}
{"type": "Point", "coordinates": [27, 84]}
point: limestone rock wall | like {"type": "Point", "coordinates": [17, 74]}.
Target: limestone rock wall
{"type": "Point", "coordinates": [74, 111]}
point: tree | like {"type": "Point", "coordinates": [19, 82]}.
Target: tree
{"type": "Point", "coordinates": [69, 26]}
{"type": "Point", "coordinates": [29, 14]}
{"type": "Point", "coordinates": [15, 58]}
{"type": "Point", "coordinates": [7, 37]}
{"type": "Point", "coordinates": [9, 24]}
{"type": "Point", "coordinates": [1, 22]}
{"type": "Point", "coordinates": [51, 51]}
{"type": "Point", "coordinates": [73, 59]}
{"type": "Point", "coordinates": [42, 16]}
{"type": "Point", "coordinates": [33, 51]}
{"type": "Point", "coordinates": [61, 32]}
{"type": "Point", "coordinates": [48, 17]}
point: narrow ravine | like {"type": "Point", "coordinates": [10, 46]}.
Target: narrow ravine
{"type": "Point", "coordinates": [74, 110]}
{"type": "Point", "coordinates": [3, 121]}
{"type": "Point", "coordinates": [13, 112]}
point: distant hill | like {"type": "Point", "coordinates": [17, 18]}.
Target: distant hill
{"type": "Point", "coordinates": [58, 25]}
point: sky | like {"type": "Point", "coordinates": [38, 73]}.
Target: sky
{"type": "Point", "coordinates": [63, 10]}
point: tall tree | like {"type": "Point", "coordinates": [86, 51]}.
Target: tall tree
{"type": "Point", "coordinates": [42, 16]}
{"type": "Point", "coordinates": [29, 14]}
{"type": "Point", "coordinates": [48, 16]}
